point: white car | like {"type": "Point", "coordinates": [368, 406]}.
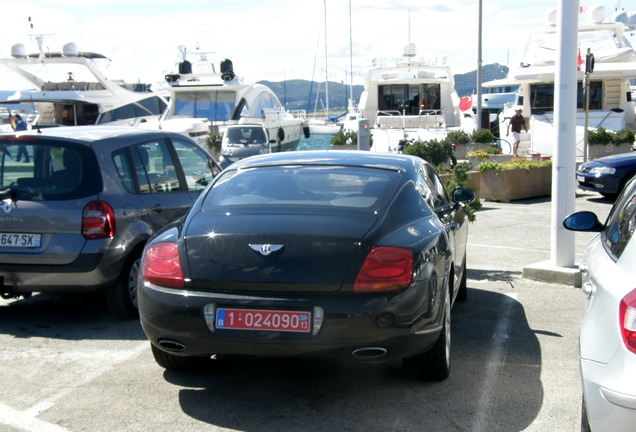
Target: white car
{"type": "Point", "coordinates": [608, 331]}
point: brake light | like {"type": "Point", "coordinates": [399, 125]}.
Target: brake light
{"type": "Point", "coordinates": [161, 265]}
{"type": "Point", "coordinates": [98, 220]}
{"type": "Point", "coordinates": [385, 269]}
{"type": "Point", "coordinates": [627, 320]}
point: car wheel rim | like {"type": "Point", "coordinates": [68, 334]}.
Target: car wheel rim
{"type": "Point", "coordinates": [133, 276]}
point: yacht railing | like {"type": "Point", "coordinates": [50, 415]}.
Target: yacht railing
{"type": "Point", "coordinates": [426, 118]}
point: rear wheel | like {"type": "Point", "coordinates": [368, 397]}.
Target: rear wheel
{"type": "Point", "coordinates": [121, 298]}
{"type": "Point", "coordinates": [435, 363]}
{"type": "Point", "coordinates": [177, 363]}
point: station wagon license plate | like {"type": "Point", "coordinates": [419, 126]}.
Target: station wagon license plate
{"type": "Point", "coordinates": [261, 319]}
{"type": "Point", "coordinates": [580, 178]}
{"type": "Point", "coordinates": [20, 240]}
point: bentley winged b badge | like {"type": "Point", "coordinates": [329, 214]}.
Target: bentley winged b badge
{"type": "Point", "coordinates": [265, 249]}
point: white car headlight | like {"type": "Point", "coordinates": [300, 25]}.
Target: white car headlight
{"type": "Point", "coordinates": [598, 171]}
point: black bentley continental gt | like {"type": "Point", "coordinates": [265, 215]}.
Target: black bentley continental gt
{"type": "Point", "coordinates": [353, 256]}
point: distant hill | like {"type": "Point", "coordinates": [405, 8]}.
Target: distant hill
{"type": "Point", "coordinates": [294, 94]}
{"type": "Point", "coordinates": [466, 84]}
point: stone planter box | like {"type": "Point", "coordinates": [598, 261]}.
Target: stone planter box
{"type": "Point", "coordinates": [597, 151]}
{"type": "Point", "coordinates": [463, 149]}
{"type": "Point", "coordinates": [515, 184]}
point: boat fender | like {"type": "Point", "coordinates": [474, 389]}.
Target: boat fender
{"type": "Point", "coordinates": [281, 134]}
{"type": "Point", "coordinates": [306, 131]}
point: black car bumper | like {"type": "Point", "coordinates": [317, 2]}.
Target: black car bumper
{"type": "Point", "coordinates": [343, 327]}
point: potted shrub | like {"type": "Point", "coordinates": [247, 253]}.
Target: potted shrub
{"type": "Point", "coordinates": [433, 151]}
{"type": "Point", "coordinates": [516, 179]}
{"type": "Point", "coordinates": [465, 143]}
{"type": "Point", "coordinates": [602, 142]}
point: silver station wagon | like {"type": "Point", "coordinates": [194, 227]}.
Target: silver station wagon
{"type": "Point", "coordinates": [79, 203]}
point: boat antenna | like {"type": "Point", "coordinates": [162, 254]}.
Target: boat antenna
{"type": "Point", "coordinates": [39, 38]}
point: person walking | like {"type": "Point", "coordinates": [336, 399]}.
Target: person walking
{"type": "Point", "coordinates": [516, 122]}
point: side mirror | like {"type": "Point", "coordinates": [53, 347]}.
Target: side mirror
{"type": "Point", "coordinates": [463, 196]}
{"type": "Point", "coordinates": [583, 221]}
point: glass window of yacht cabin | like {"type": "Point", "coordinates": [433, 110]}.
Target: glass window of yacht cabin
{"type": "Point", "coordinates": [215, 106]}
{"type": "Point", "coordinates": [410, 99]}
{"type": "Point", "coordinates": [542, 96]}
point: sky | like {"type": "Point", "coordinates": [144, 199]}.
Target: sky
{"type": "Point", "coordinates": [275, 40]}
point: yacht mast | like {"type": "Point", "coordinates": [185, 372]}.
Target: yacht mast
{"type": "Point", "coordinates": [350, 57]}
{"type": "Point", "coordinates": [326, 62]}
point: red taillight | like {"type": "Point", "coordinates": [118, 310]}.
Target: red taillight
{"type": "Point", "coordinates": [161, 265]}
{"type": "Point", "coordinates": [98, 220]}
{"type": "Point", "coordinates": [627, 320]}
{"type": "Point", "coordinates": [385, 269]}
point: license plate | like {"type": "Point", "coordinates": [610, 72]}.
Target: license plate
{"type": "Point", "coordinates": [580, 178]}
{"type": "Point", "coordinates": [260, 319]}
{"type": "Point", "coordinates": [20, 240]}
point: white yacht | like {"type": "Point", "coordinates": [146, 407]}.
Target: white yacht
{"type": "Point", "coordinates": [611, 104]}
{"type": "Point", "coordinates": [69, 89]}
{"type": "Point", "coordinates": [207, 101]}
{"type": "Point", "coordinates": [411, 100]}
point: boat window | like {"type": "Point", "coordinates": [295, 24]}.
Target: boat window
{"type": "Point", "coordinates": [408, 99]}
{"type": "Point", "coordinates": [66, 114]}
{"type": "Point", "coordinates": [213, 105]}
{"type": "Point", "coordinates": [146, 107]}
{"type": "Point", "coordinates": [542, 96]}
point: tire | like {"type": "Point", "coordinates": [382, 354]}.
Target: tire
{"type": "Point", "coordinates": [434, 364]}
{"type": "Point", "coordinates": [585, 423]}
{"type": "Point", "coordinates": [121, 298]}
{"type": "Point", "coordinates": [177, 363]}
{"type": "Point", "coordinates": [462, 291]}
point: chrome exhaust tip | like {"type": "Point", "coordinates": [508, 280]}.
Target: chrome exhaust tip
{"type": "Point", "coordinates": [171, 345]}
{"type": "Point", "coordinates": [369, 352]}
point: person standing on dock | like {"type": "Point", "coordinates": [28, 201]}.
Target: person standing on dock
{"type": "Point", "coordinates": [516, 122]}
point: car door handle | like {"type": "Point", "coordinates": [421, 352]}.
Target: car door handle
{"type": "Point", "coordinates": [157, 208]}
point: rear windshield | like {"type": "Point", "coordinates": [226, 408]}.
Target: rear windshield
{"type": "Point", "coordinates": [36, 169]}
{"type": "Point", "coordinates": [333, 186]}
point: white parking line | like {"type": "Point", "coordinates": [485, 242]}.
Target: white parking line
{"type": "Point", "coordinates": [27, 420]}
{"type": "Point", "coordinates": [489, 246]}
{"type": "Point", "coordinates": [496, 359]}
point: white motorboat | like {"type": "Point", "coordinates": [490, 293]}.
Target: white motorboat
{"type": "Point", "coordinates": [207, 101]}
{"type": "Point", "coordinates": [611, 104]}
{"type": "Point", "coordinates": [69, 89]}
{"type": "Point", "coordinates": [411, 100]}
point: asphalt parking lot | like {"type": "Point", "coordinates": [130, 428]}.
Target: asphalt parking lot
{"type": "Point", "coordinates": [67, 365]}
